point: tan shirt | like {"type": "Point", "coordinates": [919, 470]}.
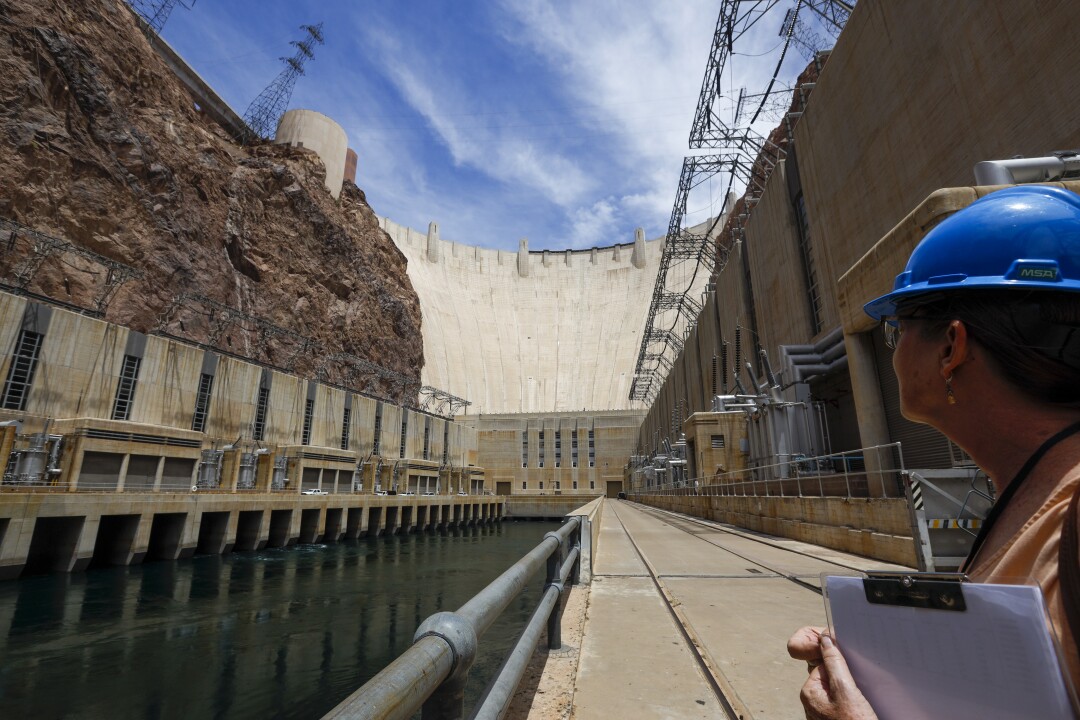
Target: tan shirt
{"type": "Point", "coordinates": [1032, 549]}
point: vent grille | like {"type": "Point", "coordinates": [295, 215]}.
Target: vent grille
{"type": "Point", "coordinates": [99, 434]}
{"type": "Point", "coordinates": [309, 410]}
{"type": "Point", "coordinates": [202, 403]}
{"type": "Point", "coordinates": [125, 390]}
{"type": "Point", "coordinates": [21, 374]}
{"type": "Point", "coordinates": [258, 428]}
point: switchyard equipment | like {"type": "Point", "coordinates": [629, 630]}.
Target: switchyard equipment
{"type": "Point", "coordinates": [209, 476]}
{"type": "Point", "coordinates": [32, 459]}
{"type": "Point", "coordinates": [27, 249]}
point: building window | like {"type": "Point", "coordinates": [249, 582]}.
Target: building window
{"type": "Point", "coordinates": [592, 484]}
{"type": "Point", "coordinates": [540, 450]}
{"type": "Point", "coordinates": [524, 484]}
{"type": "Point", "coordinates": [21, 373]}
{"type": "Point", "coordinates": [524, 448]}
{"type": "Point", "coordinates": [809, 268]}
{"type": "Point", "coordinates": [258, 428]}
{"type": "Point", "coordinates": [575, 484]}
{"type": "Point", "coordinates": [541, 484]}
{"type": "Point", "coordinates": [378, 428]}
{"type": "Point", "coordinates": [202, 403]}
{"type": "Point", "coordinates": [717, 442]}
{"type": "Point", "coordinates": [346, 421]}
{"type": "Point", "coordinates": [558, 484]}
{"type": "Point", "coordinates": [445, 442]}
{"type": "Point", "coordinates": [427, 437]}
{"type": "Point", "coordinates": [404, 431]}
{"type": "Point", "coordinates": [573, 448]}
{"type": "Point", "coordinates": [125, 389]}
{"type": "Point", "coordinates": [592, 449]}
{"type": "Point", "coordinates": [558, 448]}
{"type": "Point", "coordinates": [309, 410]}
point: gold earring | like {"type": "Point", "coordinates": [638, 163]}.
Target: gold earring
{"type": "Point", "coordinates": [949, 396]}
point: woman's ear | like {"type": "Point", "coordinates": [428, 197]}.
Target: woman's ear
{"type": "Point", "coordinates": [955, 349]}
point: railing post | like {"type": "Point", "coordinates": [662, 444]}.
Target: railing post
{"type": "Point", "coordinates": [881, 472]}
{"type": "Point", "coordinates": [575, 574]}
{"type": "Point", "coordinates": [554, 625]}
{"type": "Point", "coordinates": [448, 700]}
{"type": "Point", "coordinates": [847, 482]}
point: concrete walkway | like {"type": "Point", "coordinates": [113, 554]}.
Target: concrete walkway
{"type": "Point", "coordinates": [738, 596]}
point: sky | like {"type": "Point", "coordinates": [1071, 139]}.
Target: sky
{"type": "Point", "coordinates": [561, 121]}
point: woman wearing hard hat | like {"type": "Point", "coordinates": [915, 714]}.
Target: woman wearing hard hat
{"type": "Point", "coordinates": [985, 326]}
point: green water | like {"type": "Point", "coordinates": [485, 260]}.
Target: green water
{"type": "Point", "coordinates": [284, 633]}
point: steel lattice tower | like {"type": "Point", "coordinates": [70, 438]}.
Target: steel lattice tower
{"type": "Point", "coordinates": [742, 154]}
{"type": "Point", "coordinates": [156, 12]}
{"type": "Point", "coordinates": [265, 111]}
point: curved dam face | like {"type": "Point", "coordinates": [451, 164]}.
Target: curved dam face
{"type": "Point", "coordinates": [530, 332]}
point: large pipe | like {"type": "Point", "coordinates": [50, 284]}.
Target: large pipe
{"type": "Point", "coordinates": [805, 372]}
{"type": "Point", "coordinates": [1027, 170]}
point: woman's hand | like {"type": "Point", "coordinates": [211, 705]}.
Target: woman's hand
{"type": "Point", "coordinates": [805, 644]}
{"type": "Point", "coordinates": [830, 692]}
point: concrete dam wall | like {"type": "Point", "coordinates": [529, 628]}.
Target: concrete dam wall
{"type": "Point", "coordinates": [527, 332]}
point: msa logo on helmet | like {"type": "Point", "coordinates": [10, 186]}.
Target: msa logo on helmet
{"type": "Point", "coordinates": [1034, 270]}
{"type": "Point", "coordinates": [1038, 274]}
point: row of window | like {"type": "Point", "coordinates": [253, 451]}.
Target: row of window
{"type": "Point", "coordinates": [559, 457]}
{"type": "Point", "coordinates": [24, 363]}
{"type": "Point", "coordinates": [558, 485]}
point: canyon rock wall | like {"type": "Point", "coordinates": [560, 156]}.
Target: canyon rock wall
{"type": "Point", "coordinates": [100, 146]}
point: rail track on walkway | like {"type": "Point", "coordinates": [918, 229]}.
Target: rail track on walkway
{"type": "Point", "coordinates": [761, 557]}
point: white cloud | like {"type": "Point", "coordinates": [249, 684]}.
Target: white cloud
{"type": "Point", "coordinates": [442, 101]}
{"type": "Point", "coordinates": [592, 226]}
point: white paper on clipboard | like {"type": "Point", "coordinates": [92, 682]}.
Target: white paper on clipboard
{"type": "Point", "coordinates": [996, 659]}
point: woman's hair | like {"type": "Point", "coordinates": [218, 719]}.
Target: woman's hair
{"type": "Point", "coordinates": [1032, 336]}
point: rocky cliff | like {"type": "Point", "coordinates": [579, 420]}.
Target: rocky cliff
{"type": "Point", "coordinates": [103, 148]}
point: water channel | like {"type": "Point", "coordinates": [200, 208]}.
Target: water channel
{"type": "Point", "coordinates": [283, 633]}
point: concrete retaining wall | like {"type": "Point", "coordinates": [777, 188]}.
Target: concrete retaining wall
{"type": "Point", "coordinates": [541, 506]}
{"type": "Point", "coordinates": [877, 528]}
{"type": "Point", "coordinates": [66, 528]}
{"type": "Point", "coordinates": [590, 513]}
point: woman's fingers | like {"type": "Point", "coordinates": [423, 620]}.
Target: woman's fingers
{"type": "Point", "coordinates": [805, 644]}
{"type": "Point", "coordinates": [840, 680]}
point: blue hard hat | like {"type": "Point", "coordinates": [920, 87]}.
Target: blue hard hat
{"type": "Point", "coordinates": [1024, 237]}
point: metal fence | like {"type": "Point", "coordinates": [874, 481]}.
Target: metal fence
{"type": "Point", "coordinates": [875, 471]}
{"type": "Point", "coordinates": [430, 676]}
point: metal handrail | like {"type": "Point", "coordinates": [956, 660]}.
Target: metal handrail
{"type": "Point", "coordinates": [746, 481]}
{"type": "Point", "coordinates": [431, 674]}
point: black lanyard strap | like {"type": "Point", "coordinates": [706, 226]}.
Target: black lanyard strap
{"type": "Point", "coordinates": [1010, 490]}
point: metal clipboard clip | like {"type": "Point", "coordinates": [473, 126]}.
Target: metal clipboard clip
{"type": "Point", "coordinates": [936, 591]}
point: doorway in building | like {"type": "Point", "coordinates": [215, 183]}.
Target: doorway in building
{"type": "Point", "coordinates": [502, 488]}
{"type": "Point", "coordinates": [614, 487]}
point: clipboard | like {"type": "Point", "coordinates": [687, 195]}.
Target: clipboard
{"type": "Point", "coordinates": [929, 645]}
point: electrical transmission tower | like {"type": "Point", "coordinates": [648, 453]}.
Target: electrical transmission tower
{"type": "Point", "coordinates": [742, 154]}
{"type": "Point", "coordinates": [265, 111]}
{"type": "Point", "coordinates": [832, 15]}
{"type": "Point", "coordinates": [156, 12]}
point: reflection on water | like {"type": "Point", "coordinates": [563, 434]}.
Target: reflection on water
{"type": "Point", "coordinates": [284, 633]}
